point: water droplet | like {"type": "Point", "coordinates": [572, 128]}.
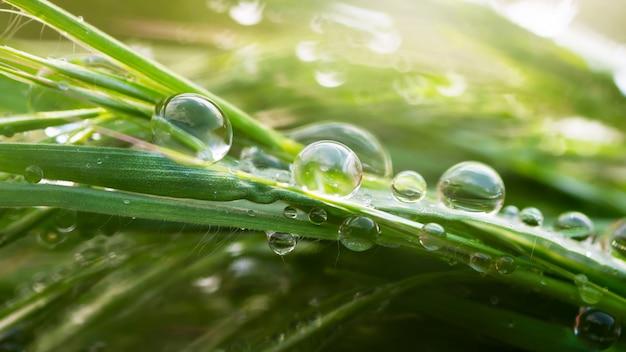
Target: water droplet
{"type": "Point", "coordinates": [8, 131]}
{"type": "Point", "coordinates": [505, 265]}
{"type": "Point", "coordinates": [51, 239]}
{"type": "Point", "coordinates": [126, 201]}
{"type": "Point", "coordinates": [373, 156]}
{"type": "Point", "coordinates": [384, 42]}
{"type": "Point", "coordinates": [574, 225]}
{"type": "Point", "coordinates": [510, 212]}
{"type": "Point", "coordinates": [471, 186]}
{"type": "Point", "coordinates": [456, 85]}
{"type": "Point", "coordinates": [318, 216]}
{"type": "Point", "coordinates": [80, 19]}
{"type": "Point", "coordinates": [251, 213]}
{"type": "Point", "coordinates": [330, 78]}
{"type": "Point", "coordinates": [33, 174]}
{"type": "Point", "coordinates": [63, 85]}
{"type": "Point", "coordinates": [247, 13]}
{"type": "Point", "coordinates": [192, 125]}
{"type": "Point", "coordinates": [306, 51]}
{"type": "Point", "coordinates": [408, 186]}
{"type": "Point", "coordinates": [617, 237]}
{"type": "Point", "coordinates": [358, 233]}
{"type": "Point", "coordinates": [261, 160]}
{"type": "Point", "coordinates": [596, 329]}
{"type": "Point", "coordinates": [587, 291]}
{"type": "Point", "coordinates": [328, 168]}
{"type": "Point", "coordinates": [290, 212]}
{"type": "Point", "coordinates": [281, 243]}
{"type": "Point", "coordinates": [531, 216]}
{"type": "Point", "coordinates": [480, 262]}
{"type": "Point", "coordinates": [65, 221]}
{"type": "Point", "coordinates": [431, 236]}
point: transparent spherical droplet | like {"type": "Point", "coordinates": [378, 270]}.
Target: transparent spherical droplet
{"type": "Point", "coordinates": [531, 216]}
{"type": "Point", "coordinates": [588, 292]}
{"type": "Point", "coordinates": [192, 125]}
{"type": "Point", "coordinates": [33, 174]}
{"type": "Point", "coordinates": [65, 221]}
{"type": "Point", "coordinates": [596, 329]}
{"type": "Point", "coordinates": [327, 168]}
{"type": "Point", "coordinates": [51, 239]}
{"type": "Point", "coordinates": [617, 237]}
{"type": "Point", "coordinates": [408, 186]}
{"type": "Point", "coordinates": [471, 186]}
{"type": "Point", "coordinates": [574, 225]}
{"type": "Point", "coordinates": [374, 158]}
{"type": "Point", "coordinates": [510, 212]}
{"type": "Point", "coordinates": [480, 262]}
{"type": "Point", "coordinates": [505, 265]}
{"type": "Point", "coordinates": [432, 236]}
{"type": "Point", "coordinates": [281, 242]}
{"type": "Point", "coordinates": [318, 216]}
{"type": "Point", "coordinates": [358, 233]}
{"type": "Point", "coordinates": [290, 212]}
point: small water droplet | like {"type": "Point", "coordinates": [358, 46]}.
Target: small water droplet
{"type": "Point", "coordinates": [574, 225]}
{"type": "Point", "coordinates": [510, 212]}
{"type": "Point", "coordinates": [408, 186]}
{"type": "Point", "coordinates": [281, 243]}
{"type": "Point", "coordinates": [8, 131]}
{"type": "Point", "coordinates": [617, 238]}
{"type": "Point", "coordinates": [480, 262]}
{"type": "Point", "coordinates": [373, 156]}
{"type": "Point", "coordinates": [596, 329]}
{"type": "Point", "coordinates": [306, 51]}
{"type": "Point", "coordinates": [358, 233]}
{"type": "Point", "coordinates": [432, 236]}
{"type": "Point", "coordinates": [290, 212]}
{"type": "Point", "coordinates": [318, 216]}
{"type": "Point", "coordinates": [328, 168]}
{"type": "Point", "coordinates": [33, 174]}
{"type": "Point", "coordinates": [247, 13]}
{"type": "Point", "coordinates": [63, 85]}
{"type": "Point", "coordinates": [80, 19]}
{"type": "Point", "coordinates": [330, 78]}
{"type": "Point", "coordinates": [471, 186]}
{"type": "Point", "coordinates": [65, 221]}
{"type": "Point", "coordinates": [505, 265]}
{"type": "Point", "coordinates": [531, 216]}
{"type": "Point", "coordinates": [587, 291]}
{"type": "Point", "coordinates": [126, 201]}
{"type": "Point", "coordinates": [251, 213]}
{"type": "Point", "coordinates": [192, 125]}
{"type": "Point", "coordinates": [51, 239]}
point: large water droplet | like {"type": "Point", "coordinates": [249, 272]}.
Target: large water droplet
{"type": "Point", "coordinates": [358, 233]}
{"type": "Point", "coordinates": [192, 125]}
{"type": "Point", "coordinates": [65, 221]}
{"type": "Point", "coordinates": [471, 186]}
{"type": "Point", "coordinates": [373, 156]}
{"type": "Point", "coordinates": [318, 216]}
{"type": "Point", "coordinates": [33, 174]}
{"type": "Point", "coordinates": [408, 186]}
{"type": "Point", "coordinates": [432, 236]}
{"type": "Point", "coordinates": [531, 216]}
{"type": "Point", "coordinates": [596, 329]}
{"type": "Point", "coordinates": [505, 265]}
{"type": "Point", "coordinates": [574, 225]}
{"type": "Point", "coordinates": [480, 262]}
{"type": "Point", "coordinates": [280, 242]}
{"type": "Point", "coordinates": [328, 168]}
{"type": "Point", "coordinates": [617, 237]}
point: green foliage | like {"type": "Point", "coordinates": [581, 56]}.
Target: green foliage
{"type": "Point", "coordinates": [123, 248]}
